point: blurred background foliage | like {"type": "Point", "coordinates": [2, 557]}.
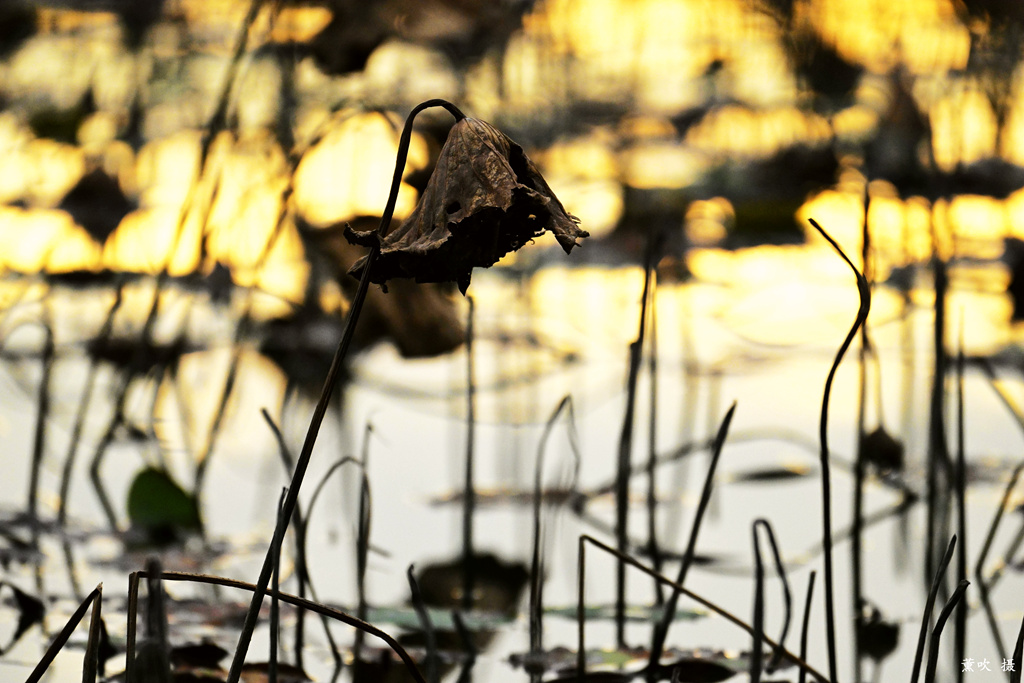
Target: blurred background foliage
{"type": "Point", "coordinates": [229, 141]}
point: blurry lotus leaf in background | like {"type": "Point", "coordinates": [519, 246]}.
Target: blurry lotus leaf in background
{"type": "Point", "coordinates": [160, 511]}
{"type": "Point", "coordinates": [484, 199]}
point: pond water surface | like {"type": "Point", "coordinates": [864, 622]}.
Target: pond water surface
{"type": "Point", "coordinates": [766, 342]}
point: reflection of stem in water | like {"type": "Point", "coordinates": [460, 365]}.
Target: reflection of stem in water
{"type": "Point", "coordinates": [652, 440]}
{"type": "Point", "coordinates": [26, 286]}
{"type": "Point", "coordinates": [790, 436]}
{"type": "Point", "coordinates": [363, 535]}
{"type": "Point", "coordinates": [1004, 397]}
{"type": "Point", "coordinates": [688, 409]}
{"type": "Point", "coordinates": [676, 588]}
{"type": "Point", "coordinates": [513, 362]}
{"type": "Point", "coordinates": [466, 638]}
{"type": "Point", "coordinates": [985, 583]}
{"type": "Point", "coordinates": [469, 502]}
{"type": "Point", "coordinates": [937, 581]}
{"type": "Point", "coordinates": [102, 339]}
{"type": "Point", "coordinates": [795, 561]}
{"type": "Point", "coordinates": [116, 420]}
{"type": "Point", "coordinates": [869, 521]}
{"type": "Point", "coordinates": [429, 635]}
{"type": "Point", "coordinates": [908, 402]}
{"type": "Point", "coordinates": [908, 499]}
{"type": "Point", "coordinates": [625, 453]}
{"type": "Point", "coordinates": [939, 467]}
{"type": "Point", "coordinates": [537, 564]}
{"type": "Point", "coordinates": [218, 122]}
{"type": "Point", "coordinates": [241, 330]}
{"type": "Point", "coordinates": [151, 661]}
{"type": "Point", "coordinates": [301, 556]}
{"type": "Point", "coordinates": [713, 409]}
{"type": "Point", "coordinates": [661, 628]}
{"type": "Point", "coordinates": [330, 382]}
{"type": "Point", "coordinates": [69, 562]}
{"type": "Point", "coordinates": [859, 464]}
{"type": "Point", "coordinates": [301, 571]}
{"type": "Point", "coordinates": [38, 445]}
{"type": "Point", "coordinates": [39, 434]}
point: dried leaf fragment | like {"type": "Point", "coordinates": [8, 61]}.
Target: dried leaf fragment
{"type": "Point", "coordinates": [484, 199]}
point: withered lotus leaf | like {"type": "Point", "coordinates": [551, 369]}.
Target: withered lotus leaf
{"type": "Point", "coordinates": [484, 199]}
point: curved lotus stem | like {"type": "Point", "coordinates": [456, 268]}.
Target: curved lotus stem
{"type": "Point", "coordinates": [864, 291]}
{"type": "Point", "coordinates": [291, 499]}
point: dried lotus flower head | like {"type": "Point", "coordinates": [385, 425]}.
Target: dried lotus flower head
{"type": "Point", "coordinates": [484, 199]}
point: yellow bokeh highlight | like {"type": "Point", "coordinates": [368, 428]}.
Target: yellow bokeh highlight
{"type": "Point", "coordinates": [235, 211]}
{"type": "Point", "coordinates": [887, 219]}
{"type": "Point", "coordinates": [662, 165]}
{"type": "Point", "coordinates": [41, 240]}
{"type": "Point", "coordinates": [590, 157]}
{"type": "Point", "coordinates": [963, 129]}
{"type": "Point", "coordinates": [583, 173]}
{"type": "Point", "coordinates": [918, 229]}
{"type": "Point", "coordinates": [857, 122]}
{"type": "Point", "coordinates": [926, 35]}
{"type": "Point", "coordinates": [655, 52]}
{"type": "Point", "coordinates": [841, 214]}
{"type": "Point", "coordinates": [598, 204]}
{"type": "Point", "coordinates": [145, 239]}
{"type": "Point", "coordinates": [739, 131]}
{"type": "Point", "coordinates": [294, 24]}
{"type": "Point", "coordinates": [167, 168]}
{"type": "Point", "coordinates": [592, 29]}
{"type": "Point", "coordinates": [707, 221]}
{"type": "Point", "coordinates": [262, 249]}
{"type": "Point", "coordinates": [247, 206]}
{"type": "Point", "coordinates": [786, 295]}
{"type": "Point", "coordinates": [66, 21]}
{"type": "Point", "coordinates": [982, 316]}
{"type": "Point", "coordinates": [906, 231]}
{"type": "Point", "coordinates": [51, 169]}
{"type": "Point", "coordinates": [349, 172]}
{"type": "Point", "coordinates": [979, 225]}
{"type": "Point", "coordinates": [1015, 215]}
{"type": "Point", "coordinates": [598, 294]}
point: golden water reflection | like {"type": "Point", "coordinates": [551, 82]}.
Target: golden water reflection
{"type": "Point", "coordinates": [694, 87]}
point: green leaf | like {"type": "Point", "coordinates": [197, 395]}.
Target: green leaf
{"type": "Point", "coordinates": [441, 618]}
{"type": "Point", "coordinates": [158, 505]}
